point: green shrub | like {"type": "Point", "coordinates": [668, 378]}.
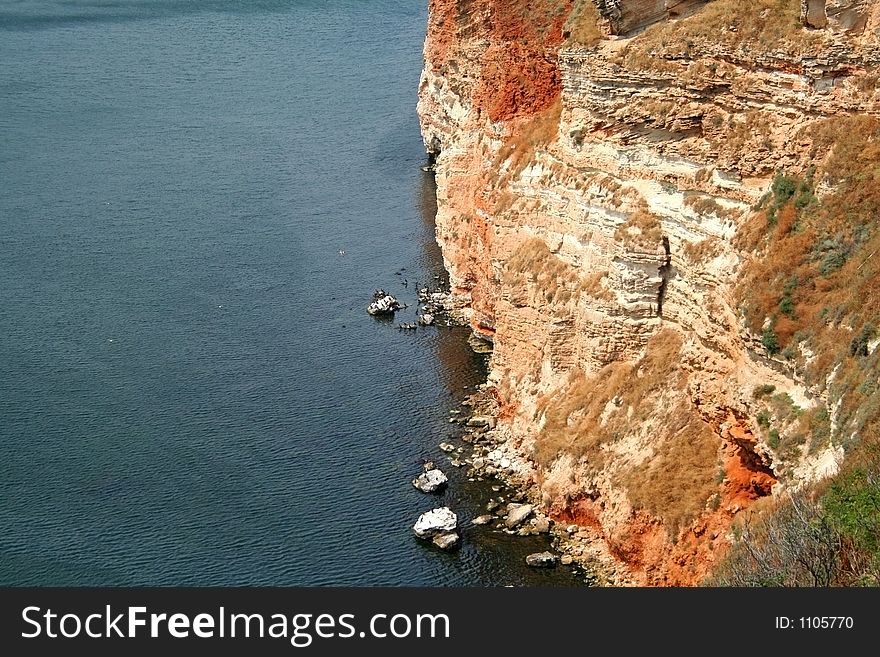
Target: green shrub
{"type": "Point", "coordinates": [763, 390]}
{"type": "Point", "coordinates": [793, 544]}
{"type": "Point", "coordinates": [858, 346]}
{"type": "Point", "coordinates": [852, 504]}
{"type": "Point", "coordinates": [770, 341]}
{"type": "Point", "coordinates": [783, 188]}
{"type": "Point", "coordinates": [786, 306]}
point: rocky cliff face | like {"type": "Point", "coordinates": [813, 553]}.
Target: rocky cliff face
{"type": "Point", "coordinates": [597, 164]}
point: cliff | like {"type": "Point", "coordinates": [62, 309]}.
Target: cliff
{"type": "Point", "coordinates": [633, 202]}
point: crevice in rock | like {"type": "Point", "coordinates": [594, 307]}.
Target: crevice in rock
{"type": "Point", "coordinates": [433, 150]}
{"type": "Point", "coordinates": [756, 478]}
{"type": "Point", "coordinates": [664, 271]}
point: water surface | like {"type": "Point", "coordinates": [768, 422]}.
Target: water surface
{"type": "Point", "coordinates": [197, 200]}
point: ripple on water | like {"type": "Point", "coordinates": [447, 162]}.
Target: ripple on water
{"type": "Point", "coordinates": [193, 392]}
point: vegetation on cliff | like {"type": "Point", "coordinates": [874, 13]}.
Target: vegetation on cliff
{"type": "Point", "coordinates": [810, 289]}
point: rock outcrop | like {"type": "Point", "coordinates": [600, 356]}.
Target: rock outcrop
{"type": "Point", "coordinates": [439, 526]}
{"type": "Point", "coordinates": [431, 481]}
{"type": "Point", "coordinates": [596, 164]}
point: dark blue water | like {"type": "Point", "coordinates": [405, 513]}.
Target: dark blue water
{"type": "Point", "coordinates": [191, 391]}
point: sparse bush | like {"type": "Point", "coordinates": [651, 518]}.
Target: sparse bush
{"type": "Point", "coordinates": [852, 503]}
{"type": "Point", "coordinates": [858, 346]}
{"type": "Point", "coordinates": [642, 230]}
{"type": "Point", "coordinates": [832, 540]}
{"type": "Point", "coordinates": [763, 390]}
{"type": "Point", "coordinates": [794, 544]}
{"type": "Point", "coordinates": [770, 341]}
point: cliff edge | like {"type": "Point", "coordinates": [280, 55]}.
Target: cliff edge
{"type": "Point", "coordinates": [661, 214]}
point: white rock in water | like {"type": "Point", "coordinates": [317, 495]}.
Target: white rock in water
{"type": "Point", "coordinates": [430, 481]}
{"type": "Point", "coordinates": [437, 521]}
{"type": "Point", "coordinates": [542, 560]}
{"type": "Point", "coordinates": [483, 520]}
{"type": "Point", "coordinates": [387, 304]}
{"type": "Point", "coordinates": [447, 447]}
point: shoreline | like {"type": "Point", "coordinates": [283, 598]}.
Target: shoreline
{"type": "Point", "coordinates": [490, 457]}
{"type": "Point", "coordinates": [496, 458]}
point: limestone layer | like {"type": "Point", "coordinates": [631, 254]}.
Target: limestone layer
{"type": "Point", "coordinates": [589, 192]}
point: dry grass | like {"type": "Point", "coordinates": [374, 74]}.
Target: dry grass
{"type": "Point", "coordinates": [533, 266]}
{"type": "Point", "coordinates": [572, 415]}
{"type": "Point", "coordinates": [698, 252]}
{"type": "Point", "coordinates": [642, 230]}
{"type": "Point", "coordinates": [816, 267]}
{"type": "Point", "coordinates": [534, 133]}
{"type": "Point", "coordinates": [591, 411]}
{"type": "Point", "coordinates": [745, 24]}
{"type": "Point", "coordinates": [672, 48]}
{"type": "Point", "coordinates": [623, 399]}
{"type": "Point", "coordinates": [706, 205]}
{"type": "Point", "coordinates": [592, 284]}
{"type": "Point", "coordinates": [676, 484]}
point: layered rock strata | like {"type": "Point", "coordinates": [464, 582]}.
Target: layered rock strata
{"type": "Point", "coordinates": [589, 193]}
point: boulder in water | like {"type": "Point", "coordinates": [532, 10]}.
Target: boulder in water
{"type": "Point", "coordinates": [542, 560]}
{"type": "Point", "coordinates": [385, 305]}
{"type": "Point", "coordinates": [430, 481]}
{"type": "Point", "coordinates": [438, 526]}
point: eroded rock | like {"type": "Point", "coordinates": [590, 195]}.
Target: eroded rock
{"type": "Point", "coordinates": [542, 560]}
{"type": "Point", "coordinates": [431, 481]}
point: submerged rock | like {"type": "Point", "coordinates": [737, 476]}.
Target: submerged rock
{"type": "Point", "coordinates": [484, 519]}
{"type": "Point", "coordinates": [542, 560]}
{"type": "Point", "coordinates": [446, 541]}
{"type": "Point", "coordinates": [430, 481]}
